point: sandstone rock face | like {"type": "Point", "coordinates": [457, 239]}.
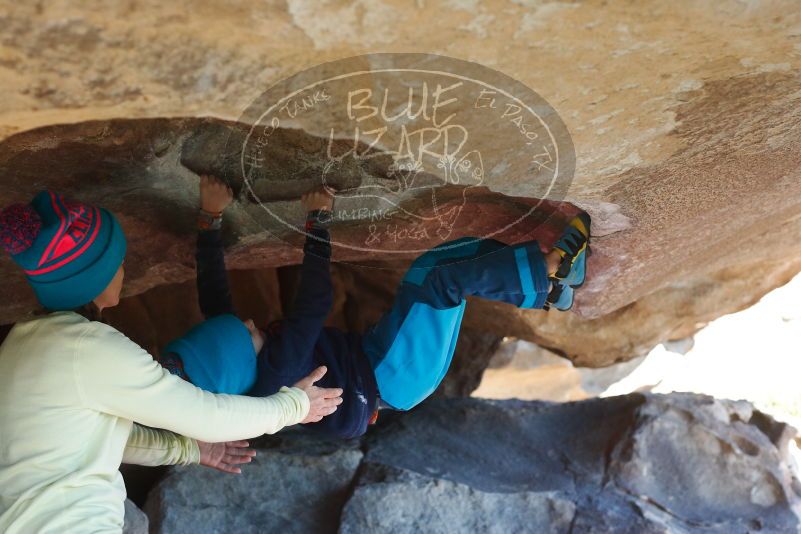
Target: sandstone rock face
{"type": "Point", "coordinates": [523, 370]}
{"type": "Point", "coordinates": [640, 463]}
{"type": "Point", "coordinates": [683, 116]}
{"type": "Point", "coordinates": [147, 183]}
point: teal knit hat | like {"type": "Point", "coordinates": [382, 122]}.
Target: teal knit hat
{"type": "Point", "coordinates": [69, 251]}
{"type": "Point", "coordinates": [218, 355]}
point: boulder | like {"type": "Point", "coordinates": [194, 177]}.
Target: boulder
{"type": "Point", "coordinates": [298, 487]}
{"type": "Point", "coordinates": [638, 463]}
{"type": "Point", "coordinates": [523, 370]}
{"type": "Point", "coordinates": [683, 117]}
{"type": "Point", "coordinates": [136, 521]}
{"type": "Point", "coordinates": [425, 504]}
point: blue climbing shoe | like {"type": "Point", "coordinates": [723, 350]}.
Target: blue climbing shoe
{"type": "Point", "coordinates": [574, 246]}
{"type": "Point", "coordinates": [575, 278]}
{"type": "Point", "coordinates": [560, 296]}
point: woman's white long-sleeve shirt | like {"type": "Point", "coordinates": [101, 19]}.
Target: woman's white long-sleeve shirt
{"type": "Point", "coordinates": [70, 391]}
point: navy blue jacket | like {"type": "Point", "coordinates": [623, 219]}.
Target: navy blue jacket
{"type": "Point", "coordinates": [299, 343]}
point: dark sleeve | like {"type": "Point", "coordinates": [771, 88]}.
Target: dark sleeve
{"type": "Point", "coordinates": [212, 279]}
{"type": "Point", "coordinates": [301, 327]}
{"type": "Point", "coordinates": [173, 363]}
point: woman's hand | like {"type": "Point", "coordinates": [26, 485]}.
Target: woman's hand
{"type": "Point", "coordinates": [318, 198]}
{"type": "Point", "coordinates": [322, 401]}
{"type": "Point", "coordinates": [225, 456]}
{"type": "Point", "coordinates": [215, 195]}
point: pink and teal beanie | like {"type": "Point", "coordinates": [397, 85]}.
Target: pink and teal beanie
{"type": "Point", "coordinates": [69, 251]}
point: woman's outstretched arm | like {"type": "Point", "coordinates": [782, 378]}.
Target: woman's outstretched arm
{"type": "Point", "coordinates": [116, 376]}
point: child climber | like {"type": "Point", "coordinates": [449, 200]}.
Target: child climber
{"type": "Point", "coordinates": [401, 359]}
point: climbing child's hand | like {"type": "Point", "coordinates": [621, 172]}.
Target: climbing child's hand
{"type": "Point", "coordinates": [215, 195]}
{"type": "Point", "coordinates": [323, 401]}
{"type": "Point", "coordinates": [318, 198]}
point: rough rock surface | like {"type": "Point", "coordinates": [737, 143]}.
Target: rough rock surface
{"type": "Point", "coordinates": [640, 463]}
{"type": "Point", "coordinates": [136, 521]}
{"type": "Point", "coordinates": [683, 114]}
{"type": "Point", "coordinates": [432, 505]}
{"type": "Point", "coordinates": [297, 488]}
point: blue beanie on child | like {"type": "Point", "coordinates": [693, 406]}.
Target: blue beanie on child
{"type": "Point", "coordinates": [218, 355]}
{"type": "Point", "coordinates": [69, 251]}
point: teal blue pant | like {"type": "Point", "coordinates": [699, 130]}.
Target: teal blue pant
{"type": "Point", "coordinates": [410, 348]}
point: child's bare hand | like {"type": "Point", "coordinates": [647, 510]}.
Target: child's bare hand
{"type": "Point", "coordinates": [323, 401]}
{"type": "Point", "coordinates": [318, 198]}
{"type": "Point", "coordinates": [215, 195]}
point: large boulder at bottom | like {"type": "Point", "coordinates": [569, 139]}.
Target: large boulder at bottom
{"type": "Point", "coordinates": [404, 502]}
{"type": "Point", "coordinates": [295, 488]}
{"type": "Point", "coordinates": [639, 464]}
